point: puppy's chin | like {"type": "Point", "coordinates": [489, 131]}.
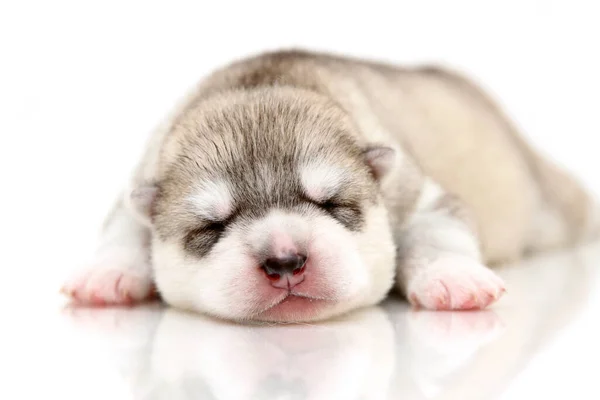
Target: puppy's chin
{"type": "Point", "coordinates": [229, 283]}
{"type": "Point", "coordinates": [295, 309]}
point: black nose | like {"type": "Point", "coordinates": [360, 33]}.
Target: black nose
{"type": "Point", "coordinates": [290, 264]}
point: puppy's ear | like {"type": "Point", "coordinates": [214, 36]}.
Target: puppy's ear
{"type": "Point", "coordinates": [380, 160]}
{"type": "Point", "coordinates": [141, 200]}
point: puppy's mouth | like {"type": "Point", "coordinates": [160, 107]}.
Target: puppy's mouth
{"type": "Point", "coordinates": [299, 295]}
{"type": "Point", "coordinates": [294, 307]}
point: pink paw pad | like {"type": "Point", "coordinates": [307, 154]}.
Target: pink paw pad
{"type": "Point", "coordinates": [455, 283]}
{"type": "Point", "coordinates": [109, 287]}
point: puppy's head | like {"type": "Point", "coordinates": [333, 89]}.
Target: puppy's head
{"type": "Point", "coordinates": [267, 208]}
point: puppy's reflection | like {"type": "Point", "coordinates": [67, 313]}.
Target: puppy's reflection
{"type": "Point", "coordinates": [336, 360]}
{"type": "Point", "coordinates": [170, 354]}
{"type": "Point", "coordinates": [190, 356]}
{"type": "Point", "coordinates": [475, 355]}
{"type": "Point", "coordinates": [434, 349]}
{"type": "Point", "coordinates": [385, 352]}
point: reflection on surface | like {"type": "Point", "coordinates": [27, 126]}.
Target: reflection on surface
{"type": "Point", "coordinates": [191, 356]}
{"type": "Point", "coordinates": [385, 352]}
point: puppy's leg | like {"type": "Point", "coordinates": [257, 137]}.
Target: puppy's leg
{"type": "Point", "coordinates": [120, 270]}
{"type": "Point", "coordinates": [439, 261]}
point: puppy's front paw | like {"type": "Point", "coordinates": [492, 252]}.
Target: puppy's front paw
{"type": "Point", "coordinates": [100, 286]}
{"type": "Point", "coordinates": [454, 282]}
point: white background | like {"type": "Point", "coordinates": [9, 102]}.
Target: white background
{"type": "Point", "coordinates": [82, 83]}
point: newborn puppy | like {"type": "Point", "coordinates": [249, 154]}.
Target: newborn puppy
{"type": "Point", "coordinates": [296, 186]}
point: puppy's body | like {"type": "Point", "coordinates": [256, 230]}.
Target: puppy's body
{"type": "Point", "coordinates": [430, 182]}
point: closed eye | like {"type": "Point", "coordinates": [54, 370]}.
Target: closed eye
{"type": "Point", "coordinates": [220, 225]}
{"type": "Point", "coordinates": [328, 204]}
{"type": "Point", "coordinates": [349, 214]}
{"type": "Point", "coordinates": [201, 240]}
{"type": "Point", "coordinates": [215, 226]}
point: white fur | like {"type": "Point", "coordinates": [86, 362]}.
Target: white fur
{"type": "Point", "coordinates": [212, 200]}
{"type": "Point", "coordinates": [441, 259]}
{"type": "Point", "coordinates": [432, 229]}
{"type": "Point", "coordinates": [442, 232]}
{"type": "Point", "coordinates": [120, 270]}
{"type": "Point", "coordinates": [430, 194]}
{"type": "Point", "coordinates": [321, 181]}
{"type": "Point", "coordinates": [278, 224]}
{"type": "Point", "coordinates": [347, 269]}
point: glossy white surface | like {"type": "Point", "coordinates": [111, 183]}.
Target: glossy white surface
{"type": "Point", "coordinates": [539, 340]}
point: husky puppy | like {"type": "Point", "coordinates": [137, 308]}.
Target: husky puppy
{"type": "Point", "coordinates": [296, 186]}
